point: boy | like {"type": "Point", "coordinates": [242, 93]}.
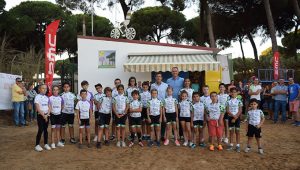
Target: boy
{"type": "Point", "coordinates": [84, 112]}
{"type": "Point", "coordinates": [214, 113]}
{"type": "Point", "coordinates": [255, 119]}
{"type": "Point", "coordinates": [67, 114]}
{"type": "Point", "coordinates": [145, 97]}
{"type": "Point", "coordinates": [154, 113]}
{"type": "Point", "coordinates": [56, 105]}
{"type": "Point", "coordinates": [234, 109]}
{"type": "Point", "coordinates": [135, 118]}
{"type": "Point", "coordinates": [41, 102]}
{"type": "Point", "coordinates": [171, 116]}
{"type": "Point", "coordinates": [97, 97]}
{"type": "Point", "coordinates": [117, 82]}
{"type": "Point", "coordinates": [222, 99]}
{"type": "Point", "coordinates": [105, 106]}
{"type": "Point", "coordinates": [206, 97]}
{"type": "Point", "coordinates": [198, 119]}
{"type": "Point", "coordinates": [120, 109]}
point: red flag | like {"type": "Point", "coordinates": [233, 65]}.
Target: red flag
{"type": "Point", "coordinates": [276, 65]}
{"type": "Point", "coordinates": [50, 52]}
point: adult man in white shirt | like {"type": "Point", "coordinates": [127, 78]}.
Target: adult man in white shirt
{"type": "Point", "coordinates": [255, 90]}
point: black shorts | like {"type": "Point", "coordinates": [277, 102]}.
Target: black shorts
{"type": "Point", "coordinates": [171, 117]}
{"type": "Point", "coordinates": [96, 114]}
{"type": "Point", "coordinates": [155, 120]}
{"type": "Point", "coordinates": [84, 123]}
{"type": "Point", "coordinates": [186, 119]}
{"type": "Point", "coordinates": [135, 121]}
{"type": "Point", "coordinates": [226, 116]}
{"type": "Point", "coordinates": [198, 123]}
{"type": "Point", "coordinates": [104, 120]}
{"type": "Point", "coordinates": [144, 114]}
{"type": "Point", "coordinates": [252, 130]}
{"type": "Point", "coordinates": [67, 119]}
{"type": "Point", "coordinates": [55, 119]}
{"type": "Point", "coordinates": [236, 125]}
{"type": "Point", "coordinates": [121, 121]}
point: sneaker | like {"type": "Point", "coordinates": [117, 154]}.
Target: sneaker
{"type": "Point", "coordinates": [261, 151]}
{"type": "Point", "coordinates": [47, 147]}
{"type": "Point", "coordinates": [192, 145]}
{"type": "Point", "coordinates": [118, 144]}
{"type": "Point", "coordinates": [141, 144]}
{"type": "Point", "coordinates": [131, 144]}
{"type": "Point", "coordinates": [64, 141]}
{"type": "Point", "coordinates": [294, 123]}
{"type": "Point", "coordinates": [230, 148]}
{"type": "Point", "coordinates": [72, 140]}
{"type": "Point", "coordinates": [123, 144]}
{"type": "Point", "coordinates": [98, 145]}
{"type": "Point", "coordinates": [238, 149]}
{"type": "Point", "coordinates": [112, 138]}
{"type": "Point", "coordinates": [95, 139]}
{"type": "Point", "coordinates": [38, 148]}
{"type": "Point", "coordinates": [53, 146]}
{"type": "Point", "coordinates": [166, 142]}
{"type": "Point", "coordinates": [106, 143]}
{"type": "Point", "coordinates": [202, 145]}
{"type": "Point", "coordinates": [158, 143]}
{"type": "Point", "coordinates": [226, 140]}
{"type": "Point", "coordinates": [89, 145]}
{"type": "Point", "coordinates": [220, 147]}
{"type": "Point", "coordinates": [80, 146]}
{"type": "Point", "coordinates": [177, 143]}
{"type": "Point", "coordinates": [211, 147]}
{"type": "Point", "coordinates": [185, 143]}
{"type": "Point", "coordinates": [247, 149]}
{"type": "Point", "coordinates": [150, 143]}
{"type": "Point", "coordinates": [59, 144]}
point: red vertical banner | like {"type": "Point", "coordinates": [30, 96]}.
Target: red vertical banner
{"type": "Point", "coordinates": [276, 65]}
{"type": "Point", "coordinates": [50, 52]}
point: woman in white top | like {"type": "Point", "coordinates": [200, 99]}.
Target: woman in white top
{"type": "Point", "coordinates": [187, 87]}
{"type": "Point", "coordinates": [132, 85]}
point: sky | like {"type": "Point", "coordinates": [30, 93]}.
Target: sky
{"type": "Point", "coordinates": [115, 15]}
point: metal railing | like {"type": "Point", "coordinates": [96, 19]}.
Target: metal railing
{"type": "Point", "coordinates": [267, 75]}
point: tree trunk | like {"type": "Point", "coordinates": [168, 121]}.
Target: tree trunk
{"type": "Point", "coordinates": [253, 46]}
{"type": "Point", "coordinates": [294, 39]}
{"type": "Point", "coordinates": [202, 21]}
{"type": "Point", "coordinates": [242, 49]}
{"type": "Point", "coordinates": [125, 8]}
{"type": "Point", "coordinates": [271, 25]}
{"type": "Point", "coordinates": [212, 41]}
{"type": "Point", "coordinates": [296, 8]}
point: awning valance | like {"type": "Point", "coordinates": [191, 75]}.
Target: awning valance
{"type": "Point", "coordinates": [165, 62]}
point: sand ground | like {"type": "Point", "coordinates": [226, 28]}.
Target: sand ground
{"type": "Point", "coordinates": [281, 144]}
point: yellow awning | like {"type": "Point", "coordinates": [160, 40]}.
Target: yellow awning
{"type": "Point", "coordinates": [165, 62]}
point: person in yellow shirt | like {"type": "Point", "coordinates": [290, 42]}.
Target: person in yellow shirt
{"type": "Point", "coordinates": [18, 102]}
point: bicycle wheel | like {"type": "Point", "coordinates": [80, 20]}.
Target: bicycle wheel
{"type": "Point", "coordinates": [115, 33]}
{"type": "Point", "coordinates": [130, 33]}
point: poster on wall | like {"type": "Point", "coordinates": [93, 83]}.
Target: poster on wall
{"type": "Point", "coordinates": [6, 82]}
{"type": "Point", "coordinates": [107, 59]}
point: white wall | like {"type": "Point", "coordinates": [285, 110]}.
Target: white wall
{"type": "Point", "coordinates": [88, 60]}
{"type": "Point", "coordinates": [6, 82]}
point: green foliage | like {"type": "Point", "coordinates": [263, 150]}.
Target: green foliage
{"type": "Point", "coordinates": [2, 5]}
{"type": "Point", "coordinates": [65, 68]}
{"type": "Point", "coordinates": [157, 23]}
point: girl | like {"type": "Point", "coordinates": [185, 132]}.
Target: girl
{"type": "Point", "coordinates": [132, 85]}
{"type": "Point", "coordinates": [187, 87]}
{"type": "Point", "coordinates": [120, 108]}
{"type": "Point", "coordinates": [185, 119]}
{"type": "Point", "coordinates": [105, 106]}
{"type": "Point", "coordinates": [135, 118]}
{"type": "Point", "coordinates": [31, 93]}
{"type": "Point", "coordinates": [56, 106]}
{"type": "Point", "coordinates": [198, 119]}
{"type": "Point", "coordinates": [171, 115]}
{"type": "Point", "coordinates": [145, 97]}
{"type": "Point", "coordinates": [154, 113]}
{"type": "Point", "coordinates": [41, 102]}
{"type": "Point", "coordinates": [223, 99]}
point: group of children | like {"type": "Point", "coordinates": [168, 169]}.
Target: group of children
{"type": "Point", "coordinates": [145, 114]}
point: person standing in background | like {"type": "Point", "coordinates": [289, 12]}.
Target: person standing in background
{"type": "Point", "coordinates": [280, 93]}
{"type": "Point", "coordinates": [31, 93]}
{"type": "Point", "coordinates": [18, 102]}
{"type": "Point", "coordinates": [294, 100]}
{"type": "Point", "coordinates": [255, 90]}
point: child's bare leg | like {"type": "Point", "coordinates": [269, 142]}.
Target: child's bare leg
{"type": "Point", "coordinates": [118, 133]}
{"type": "Point", "coordinates": [237, 136]}
{"type": "Point", "coordinates": [195, 132]}
{"type": "Point", "coordinates": [231, 136]}
{"type": "Point", "coordinates": [62, 132]}
{"type": "Point", "coordinates": [106, 131]}
{"type": "Point", "coordinates": [96, 128]}
{"type": "Point", "coordinates": [188, 130]}
{"type": "Point", "coordinates": [57, 133]}
{"type": "Point", "coordinates": [80, 135]}
{"type": "Point", "coordinates": [53, 134]}
{"type": "Point", "coordinates": [174, 126]}
{"type": "Point", "coordinates": [219, 138]}
{"type": "Point", "coordinates": [88, 134]}
{"type": "Point", "coordinates": [100, 134]}
{"type": "Point", "coordinates": [201, 135]}
{"type": "Point", "coordinates": [152, 133]}
{"type": "Point", "coordinates": [133, 131]}
{"type": "Point", "coordinates": [139, 133]}
{"type": "Point", "coordinates": [168, 129]}
{"type": "Point", "coordinates": [258, 143]}
{"type": "Point", "coordinates": [71, 131]}
{"type": "Point", "coordinates": [157, 129]}
{"type": "Point", "coordinates": [226, 127]}
{"type": "Point", "coordinates": [249, 142]}
{"type": "Point", "coordinates": [123, 133]}
{"type": "Point", "coordinates": [148, 130]}
{"type": "Point", "coordinates": [184, 130]}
